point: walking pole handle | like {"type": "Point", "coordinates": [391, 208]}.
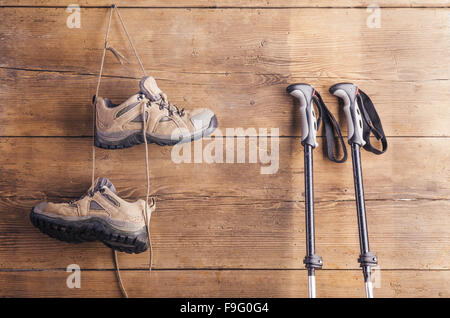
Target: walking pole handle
{"type": "Point", "coordinates": [304, 93]}
{"type": "Point", "coordinates": [348, 93]}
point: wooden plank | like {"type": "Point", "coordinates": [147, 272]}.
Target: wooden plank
{"type": "Point", "coordinates": [42, 168]}
{"type": "Point", "coordinates": [59, 104]}
{"type": "Point", "coordinates": [196, 283]}
{"type": "Point", "coordinates": [233, 3]}
{"type": "Point", "coordinates": [238, 233]}
{"type": "Point", "coordinates": [59, 167]}
{"type": "Point", "coordinates": [300, 42]}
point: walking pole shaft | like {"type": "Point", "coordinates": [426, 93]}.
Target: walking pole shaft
{"type": "Point", "coordinates": [309, 217]}
{"type": "Point", "coordinates": [361, 212]}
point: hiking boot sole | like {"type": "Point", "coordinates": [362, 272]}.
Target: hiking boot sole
{"type": "Point", "coordinates": [91, 229]}
{"type": "Point", "coordinates": [137, 138]}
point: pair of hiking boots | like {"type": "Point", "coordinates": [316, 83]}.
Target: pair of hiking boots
{"type": "Point", "coordinates": [101, 214]}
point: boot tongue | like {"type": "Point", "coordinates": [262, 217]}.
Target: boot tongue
{"type": "Point", "coordinates": [150, 89]}
{"type": "Point", "coordinates": [104, 182]}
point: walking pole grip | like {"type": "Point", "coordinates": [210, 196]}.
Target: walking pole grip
{"type": "Point", "coordinates": [304, 93]}
{"type": "Point", "coordinates": [347, 93]}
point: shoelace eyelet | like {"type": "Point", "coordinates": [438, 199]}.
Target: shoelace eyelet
{"type": "Point", "coordinates": [167, 105]}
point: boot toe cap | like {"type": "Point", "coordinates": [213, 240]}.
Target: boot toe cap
{"type": "Point", "coordinates": [201, 119]}
{"type": "Point", "coordinates": [40, 208]}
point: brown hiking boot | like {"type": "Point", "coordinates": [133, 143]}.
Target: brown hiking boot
{"type": "Point", "coordinates": [98, 215]}
{"type": "Point", "coordinates": [122, 126]}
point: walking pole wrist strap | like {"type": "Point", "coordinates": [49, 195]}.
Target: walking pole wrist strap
{"type": "Point", "coordinates": [371, 124]}
{"type": "Point", "coordinates": [332, 131]}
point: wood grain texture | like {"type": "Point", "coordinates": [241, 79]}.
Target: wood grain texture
{"type": "Point", "coordinates": [244, 234]}
{"type": "Point", "coordinates": [296, 42]}
{"type": "Point", "coordinates": [226, 230]}
{"type": "Point", "coordinates": [59, 104]}
{"type": "Point", "coordinates": [224, 284]}
{"type": "Point", "coordinates": [41, 168]}
{"type": "Point", "coordinates": [233, 3]}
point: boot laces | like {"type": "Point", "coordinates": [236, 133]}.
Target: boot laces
{"type": "Point", "coordinates": [164, 103]}
{"type": "Point", "coordinates": [146, 212]}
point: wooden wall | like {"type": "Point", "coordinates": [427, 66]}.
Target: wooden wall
{"type": "Point", "coordinates": [227, 230]}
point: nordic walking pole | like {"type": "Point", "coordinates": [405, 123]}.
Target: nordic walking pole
{"type": "Point", "coordinates": [304, 93]}
{"type": "Point", "coordinates": [349, 94]}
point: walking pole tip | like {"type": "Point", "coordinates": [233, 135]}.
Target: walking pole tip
{"type": "Point", "coordinates": [312, 286]}
{"type": "Point", "coordinates": [369, 289]}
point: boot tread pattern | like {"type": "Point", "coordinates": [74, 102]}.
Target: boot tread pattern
{"type": "Point", "coordinates": [93, 229]}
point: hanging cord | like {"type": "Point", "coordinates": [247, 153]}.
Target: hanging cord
{"type": "Point", "coordinates": [119, 56]}
{"type": "Point", "coordinates": [119, 279]}
{"type": "Point", "coordinates": [94, 100]}
{"type": "Point", "coordinates": [146, 213]}
{"type": "Point", "coordinates": [129, 39]}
